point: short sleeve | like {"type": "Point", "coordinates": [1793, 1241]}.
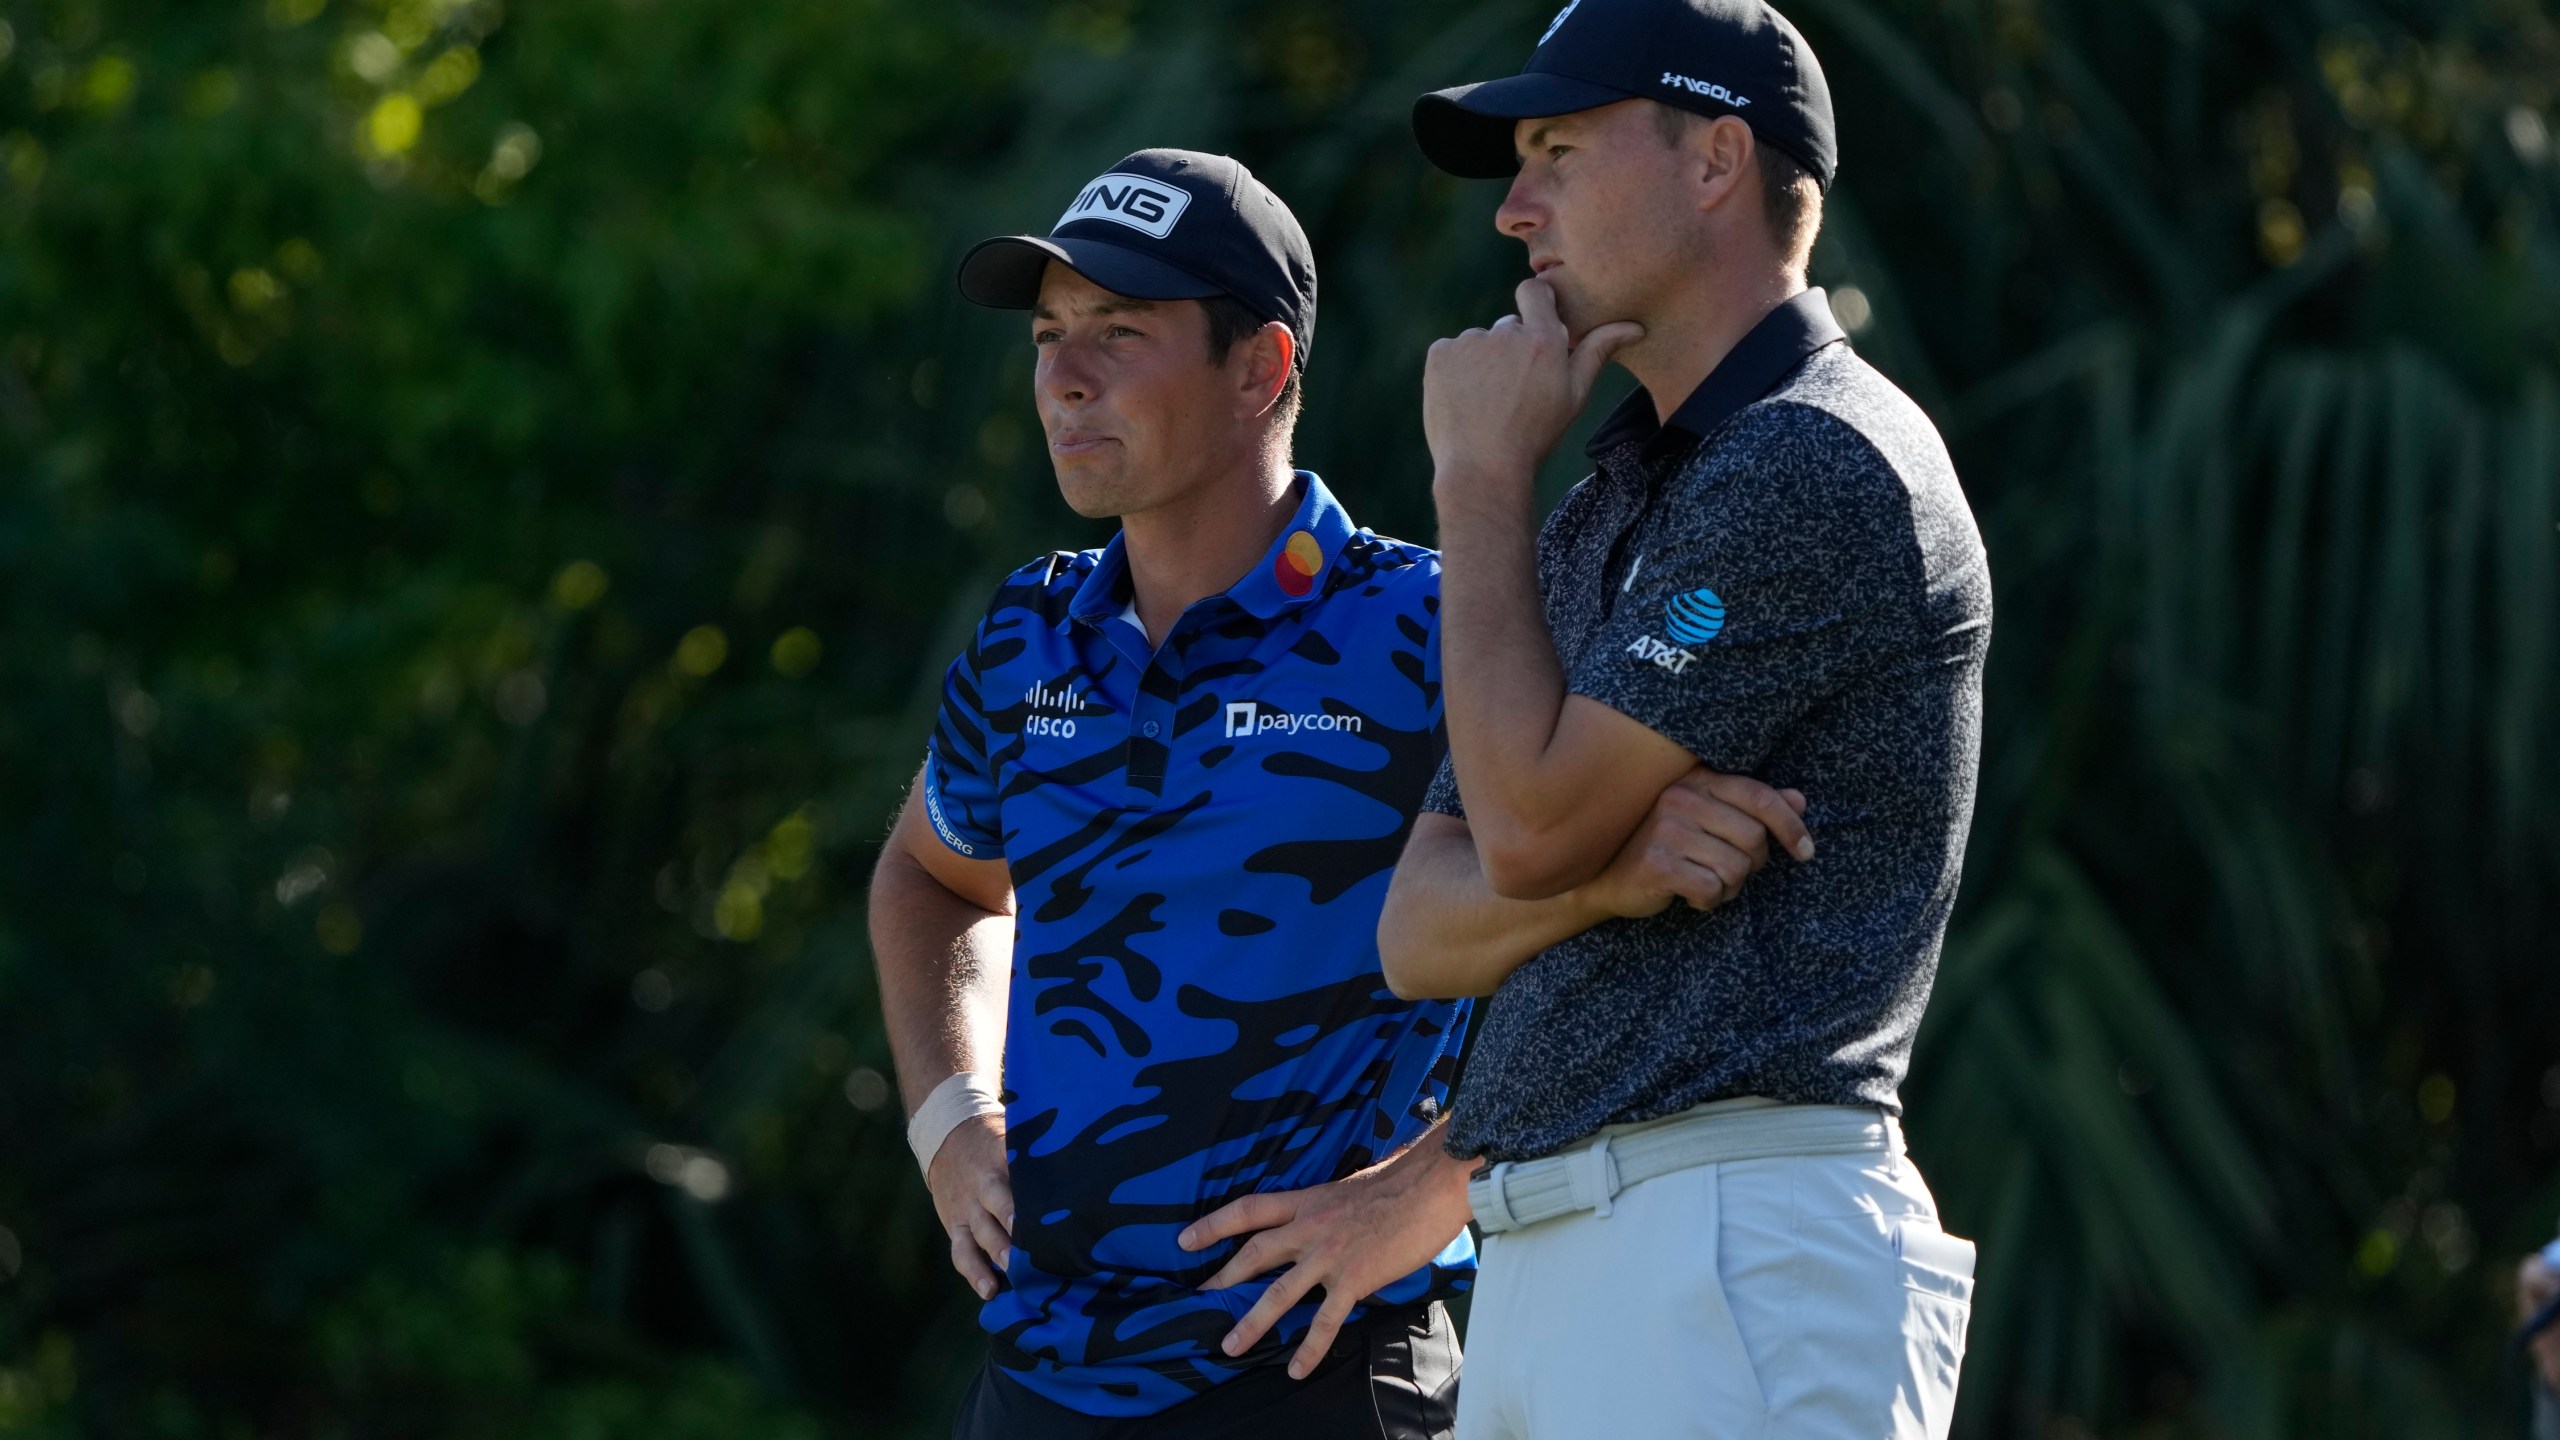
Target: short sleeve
{"type": "Point", "coordinates": [1442, 797]}
{"type": "Point", "coordinates": [959, 782]}
{"type": "Point", "coordinates": [1787, 568]}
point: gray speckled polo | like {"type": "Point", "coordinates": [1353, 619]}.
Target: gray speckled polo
{"type": "Point", "coordinates": [1786, 580]}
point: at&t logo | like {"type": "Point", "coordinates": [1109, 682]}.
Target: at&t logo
{"type": "Point", "coordinates": [1692, 617]}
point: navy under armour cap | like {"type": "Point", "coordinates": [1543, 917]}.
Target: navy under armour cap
{"type": "Point", "coordinates": [1709, 57]}
{"type": "Point", "coordinates": [1164, 225]}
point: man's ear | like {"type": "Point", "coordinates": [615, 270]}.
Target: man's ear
{"type": "Point", "coordinates": [1722, 153]}
{"type": "Point", "coordinates": [1268, 354]}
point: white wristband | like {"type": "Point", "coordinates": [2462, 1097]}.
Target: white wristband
{"type": "Point", "coordinates": [961, 1098]}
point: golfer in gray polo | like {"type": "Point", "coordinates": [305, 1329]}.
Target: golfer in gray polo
{"type": "Point", "coordinates": [1700, 1219]}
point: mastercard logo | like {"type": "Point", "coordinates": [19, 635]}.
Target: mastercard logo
{"type": "Point", "coordinates": [1299, 563]}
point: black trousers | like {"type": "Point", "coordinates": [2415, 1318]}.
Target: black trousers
{"type": "Point", "coordinates": [1390, 1377]}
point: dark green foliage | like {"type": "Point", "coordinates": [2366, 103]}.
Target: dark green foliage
{"type": "Point", "coordinates": [485, 496]}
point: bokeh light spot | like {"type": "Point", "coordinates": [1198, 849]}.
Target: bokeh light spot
{"type": "Point", "coordinates": [703, 649]}
{"type": "Point", "coordinates": [788, 848]}
{"type": "Point", "coordinates": [653, 990]}
{"type": "Point", "coordinates": [681, 1167]}
{"type": "Point", "coordinates": [1850, 306]}
{"type": "Point", "coordinates": [2527, 133]}
{"type": "Point", "coordinates": [448, 75]}
{"type": "Point", "coordinates": [579, 584]}
{"type": "Point", "coordinates": [705, 1179]}
{"type": "Point", "coordinates": [2435, 1099]}
{"type": "Point", "coordinates": [109, 83]}
{"type": "Point", "coordinates": [23, 155]}
{"type": "Point", "coordinates": [211, 93]}
{"type": "Point", "coordinates": [739, 913]}
{"type": "Point", "coordinates": [866, 1089]}
{"type": "Point", "coordinates": [299, 259]}
{"type": "Point", "coordinates": [522, 697]}
{"type": "Point", "coordinates": [255, 290]}
{"type": "Point", "coordinates": [393, 126]}
{"type": "Point", "coordinates": [2280, 232]}
{"type": "Point", "coordinates": [796, 651]}
{"type": "Point", "coordinates": [2379, 1252]}
{"type": "Point", "coordinates": [510, 160]}
{"type": "Point", "coordinates": [372, 57]}
{"type": "Point", "coordinates": [306, 877]}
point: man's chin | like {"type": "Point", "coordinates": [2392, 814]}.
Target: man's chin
{"type": "Point", "coordinates": [1095, 496]}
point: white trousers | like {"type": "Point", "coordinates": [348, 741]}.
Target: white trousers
{"type": "Point", "coordinates": [1811, 1298]}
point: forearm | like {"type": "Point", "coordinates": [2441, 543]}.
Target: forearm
{"type": "Point", "coordinates": [1446, 933]}
{"type": "Point", "coordinates": [1438, 1180]}
{"type": "Point", "coordinates": [944, 965]}
{"type": "Point", "coordinates": [1504, 685]}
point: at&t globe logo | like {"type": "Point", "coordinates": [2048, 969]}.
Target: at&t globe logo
{"type": "Point", "coordinates": [1694, 617]}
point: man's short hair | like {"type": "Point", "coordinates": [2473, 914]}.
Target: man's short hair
{"type": "Point", "coordinates": [1788, 194]}
{"type": "Point", "coordinates": [1230, 322]}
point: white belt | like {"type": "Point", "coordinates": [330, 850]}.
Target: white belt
{"type": "Point", "coordinates": [1514, 1196]}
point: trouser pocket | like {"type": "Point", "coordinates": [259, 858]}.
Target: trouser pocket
{"type": "Point", "coordinates": [1413, 1375]}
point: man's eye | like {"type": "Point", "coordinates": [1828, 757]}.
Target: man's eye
{"type": "Point", "coordinates": [1116, 331]}
{"type": "Point", "coordinates": [1556, 152]}
{"type": "Point", "coordinates": [1044, 337]}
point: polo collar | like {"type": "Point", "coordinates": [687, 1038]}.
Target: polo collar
{"type": "Point", "coordinates": [1290, 573]}
{"type": "Point", "coordinates": [1751, 369]}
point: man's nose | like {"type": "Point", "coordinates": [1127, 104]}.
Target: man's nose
{"type": "Point", "coordinates": [1066, 374]}
{"type": "Point", "coordinates": [1522, 212]}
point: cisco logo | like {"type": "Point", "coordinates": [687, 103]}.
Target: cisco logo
{"type": "Point", "coordinates": [1694, 617]}
{"type": "Point", "coordinates": [1064, 704]}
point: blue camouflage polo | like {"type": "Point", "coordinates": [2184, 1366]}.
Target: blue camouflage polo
{"type": "Point", "coordinates": [1199, 837]}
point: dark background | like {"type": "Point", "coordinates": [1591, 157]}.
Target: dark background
{"type": "Point", "coordinates": [486, 495]}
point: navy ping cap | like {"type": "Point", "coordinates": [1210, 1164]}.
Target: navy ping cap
{"type": "Point", "coordinates": [1164, 225]}
{"type": "Point", "coordinates": [1709, 57]}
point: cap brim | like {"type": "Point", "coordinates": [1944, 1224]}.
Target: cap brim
{"type": "Point", "coordinates": [1005, 273]}
{"type": "Point", "coordinates": [1466, 130]}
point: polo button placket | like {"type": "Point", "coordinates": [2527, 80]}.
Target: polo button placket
{"type": "Point", "coordinates": [1150, 726]}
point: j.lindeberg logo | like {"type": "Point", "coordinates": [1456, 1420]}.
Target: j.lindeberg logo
{"type": "Point", "coordinates": [1249, 718]}
{"type": "Point", "coordinates": [1703, 87]}
{"type": "Point", "coordinates": [1144, 205]}
{"type": "Point", "coordinates": [950, 837]}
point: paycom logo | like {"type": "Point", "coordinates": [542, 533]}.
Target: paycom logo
{"type": "Point", "coordinates": [1247, 719]}
{"type": "Point", "coordinates": [1694, 617]}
